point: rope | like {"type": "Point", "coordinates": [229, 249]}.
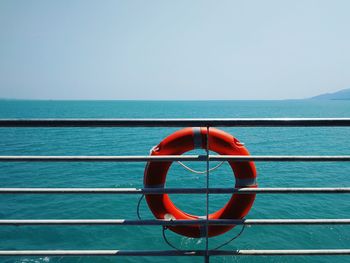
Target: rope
{"type": "Point", "coordinates": [200, 172]}
{"type": "Point", "coordinates": [166, 239]}
{"type": "Point", "coordinates": [229, 241]}
{"type": "Point", "coordinates": [165, 228]}
{"type": "Point", "coordinates": [138, 207]}
{"type": "Point", "coordinates": [220, 246]}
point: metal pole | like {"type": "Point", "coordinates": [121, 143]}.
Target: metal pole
{"type": "Point", "coordinates": [168, 158]}
{"type": "Point", "coordinates": [212, 122]}
{"type": "Point", "coordinates": [81, 253]}
{"type": "Point", "coordinates": [206, 258]}
{"type": "Point", "coordinates": [169, 222]}
{"type": "Point", "coordinates": [284, 190]}
{"type": "Point", "coordinates": [135, 158]}
{"type": "Point", "coordinates": [280, 158]}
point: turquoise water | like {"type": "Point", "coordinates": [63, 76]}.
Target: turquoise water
{"type": "Point", "coordinates": [138, 141]}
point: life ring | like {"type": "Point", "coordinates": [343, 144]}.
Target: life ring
{"type": "Point", "coordinates": [195, 138]}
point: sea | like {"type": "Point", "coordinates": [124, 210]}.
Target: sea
{"type": "Point", "coordinates": [139, 141]}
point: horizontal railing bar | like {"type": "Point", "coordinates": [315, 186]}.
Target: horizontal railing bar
{"type": "Point", "coordinates": [167, 158]}
{"type": "Point", "coordinates": [284, 252]}
{"type": "Point", "coordinates": [81, 253]}
{"type": "Point", "coordinates": [243, 190]}
{"type": "Point", "coordinates": [222, 122]}
{"type": "Point", "coordinates": [274, 158]}
{"type": "Point", "coordinates": [102, 158]}
{"type": "Point", "coordinates": [242, 252]}
{"type": "Point", "coordinates": [164, 222]}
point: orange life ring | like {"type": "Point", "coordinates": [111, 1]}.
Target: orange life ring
{"type": "Point", "coordinates": [185, 140]}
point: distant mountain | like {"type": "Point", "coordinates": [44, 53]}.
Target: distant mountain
{"type": "Point", "coordinates": [343, 94]}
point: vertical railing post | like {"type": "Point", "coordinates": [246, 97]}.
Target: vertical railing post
{"type": "Point", "coordinates": [206, 259]}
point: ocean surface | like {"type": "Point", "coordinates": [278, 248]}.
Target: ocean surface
{"type": "Point", "coordinates": [138, 141]}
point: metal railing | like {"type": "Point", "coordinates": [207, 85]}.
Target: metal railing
{"type": "Point", "coordinates": [275, 122]}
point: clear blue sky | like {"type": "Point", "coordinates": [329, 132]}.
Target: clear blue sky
{"type": "Point", "coordinates": [173, 49]}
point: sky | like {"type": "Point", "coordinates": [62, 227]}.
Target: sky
{"type": "Point", "coordinates": [173, 50]}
